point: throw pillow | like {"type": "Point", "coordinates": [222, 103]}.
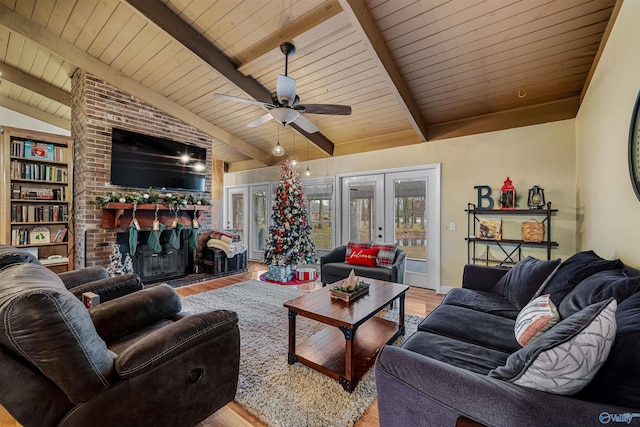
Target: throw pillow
{"type": "Point", "coordinates": [574, 270]}
{"type": "Point", "coordinates": [599, 287]}
{"type": "Point", "coordinates": [386, 253]}
{"type": "Point", "coordinates": [364, 257]}
{"type": "Point", "coordinates": [567, 357]}
{"type": "Point", "coordinates": [535, 319]}
{"type": "Point", "coordinates": [351, 245]}
{"type": "Point", "coordinates": [521, 282]}
{"type": "Point", "coordinates": [617, 381]}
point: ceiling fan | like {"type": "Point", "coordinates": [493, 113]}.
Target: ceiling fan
{"type": "Point", "coordinates": [285, 107]}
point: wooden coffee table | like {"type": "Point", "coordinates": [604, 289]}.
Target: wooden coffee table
{"type": "Point", "coordinates": [336, 351]}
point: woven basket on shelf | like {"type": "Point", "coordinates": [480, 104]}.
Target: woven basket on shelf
{"type": "Point", "coordinates": [532, 231]}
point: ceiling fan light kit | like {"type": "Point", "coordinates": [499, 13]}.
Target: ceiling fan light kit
{"type": "Point", "coordinates": [278, 151]}
{"type": "Point", "coordinates": [285, 107]}
{"type": "Point", "coordinates": [285, 115]}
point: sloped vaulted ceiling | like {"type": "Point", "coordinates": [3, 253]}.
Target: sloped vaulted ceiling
{"type": "Point", "coordinates": [412, 71]}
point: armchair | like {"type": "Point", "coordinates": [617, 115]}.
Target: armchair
{"type": "Point", "coordinates": [133, 361]}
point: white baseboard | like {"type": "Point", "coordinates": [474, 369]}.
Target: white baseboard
{"type": "Point", "coordinates": [445, 289]}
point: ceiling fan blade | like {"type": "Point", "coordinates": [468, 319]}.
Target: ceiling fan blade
{"type": "Point", "coordinates": [243, 100]}
{"type": "Point", "coordinates": [286, 90]}
{"type": "Point", "coordinates": [260, 120]}
{"type": "Point", "coordinates": [306, 124]}
{"type": "Point", "coordinates": [338, 110]}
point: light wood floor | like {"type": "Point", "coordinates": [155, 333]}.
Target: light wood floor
{"type": "Point", "coordinates": [419, 302]}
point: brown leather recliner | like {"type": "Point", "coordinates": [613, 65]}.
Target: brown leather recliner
{"type": "Point", "coordinates": [133, 361]}
{"type": "Point", "coordinates": [89, 279]}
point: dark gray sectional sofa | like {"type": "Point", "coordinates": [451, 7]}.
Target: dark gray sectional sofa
{"type": "Point", "coordinates": [464, 362]}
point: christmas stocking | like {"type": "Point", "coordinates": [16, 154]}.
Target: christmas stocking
{"type": "Point", "coordinates": [154, 237]}
{"type": "Point", "coordinates": [133, 236]}
{"type": "Point", "coordinates": [193, 238]}
{"type": "Point", "coordinates": [174, 240]}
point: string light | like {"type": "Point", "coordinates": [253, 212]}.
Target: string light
{"type": "Point", "coordinates": [308, 171]}
{"type": "Point", "coordinates": [294, 162]}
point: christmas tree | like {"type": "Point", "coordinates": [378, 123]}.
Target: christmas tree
{"type": "Point", "coordinates": [117, 267]}
{"type": "Point", "coordinates": [289, 241]}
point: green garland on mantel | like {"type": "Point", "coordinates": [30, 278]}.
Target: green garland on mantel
{"type": "Point", "coordinates": [150, 196]}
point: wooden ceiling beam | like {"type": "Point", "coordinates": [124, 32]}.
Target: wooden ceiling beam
{"type": "Point", "coordinates": [321, 141]}
{"type": "Point", "coordinates": [601, 45]}
{"type": "Point", "coordinates": [34, 112]}
{"type": "Point", "coordinates": [289, 32]}
{"type": "Point", "coordinates": [164, 18]}
{"type": "Point", "coordinates": [364, 25]}
{"type": "Point", "coordinates": [156, 12]}
{"type": "Point", "coordinates": [532, 115]}
{"type": "Point", "coordinates": [27, 81]}
{"type": "Point", "coordinates": [23, 26]}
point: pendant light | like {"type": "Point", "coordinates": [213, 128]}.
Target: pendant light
{"type": "Point", "coordinates": [294, 162]}
{"type": "Point", "coordinates": [278, 151]}
{"type": "Point", "coordinates": [308, 171]}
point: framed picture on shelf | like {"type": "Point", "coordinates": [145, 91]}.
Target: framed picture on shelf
{"type": "Point", "coordinates": [39, 235]}
{"type": "Point", "coordinates": [38, 151]}
{"type": "Point", "coordinates": [490, 229]}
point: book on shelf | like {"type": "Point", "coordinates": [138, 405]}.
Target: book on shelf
{"type": "Point", "coordinates": [20, 236]}
{"type": "Point", "coordinates": [59, 236]}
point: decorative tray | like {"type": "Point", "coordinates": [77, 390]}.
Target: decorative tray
{"type": "Point", "coordinates": [362, 289]}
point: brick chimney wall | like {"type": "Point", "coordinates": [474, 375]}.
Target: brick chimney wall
{"type": "Point", "coordinates": [96, 107]}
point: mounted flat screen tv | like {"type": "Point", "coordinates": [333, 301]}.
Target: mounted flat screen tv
{"type": "Point", "coordinates": [143, 161]}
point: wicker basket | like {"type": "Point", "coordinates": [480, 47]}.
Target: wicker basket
{"type": "Point", "coordinates": [532, 231]}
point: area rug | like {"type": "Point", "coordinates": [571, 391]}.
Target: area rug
{"type": "Point", "coordinates": [269, 388]}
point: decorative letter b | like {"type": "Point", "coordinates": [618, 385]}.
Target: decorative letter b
{"type": "Point", "coordinates": [486, 196]}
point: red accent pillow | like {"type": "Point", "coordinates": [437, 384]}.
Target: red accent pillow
{"type": "Point", "coordinates": [364, 257]}
{"type": "Point", "coordinates": [355, 245]}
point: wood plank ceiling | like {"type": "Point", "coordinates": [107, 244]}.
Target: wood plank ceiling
{"type": "Point", "coordinates": [412, 70]}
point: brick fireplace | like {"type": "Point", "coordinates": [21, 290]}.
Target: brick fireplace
{"type": "Point", "coordinates": [96, 107]}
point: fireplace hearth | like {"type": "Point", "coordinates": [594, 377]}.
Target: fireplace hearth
{"type": "Point", "coordinates": [169, 263]}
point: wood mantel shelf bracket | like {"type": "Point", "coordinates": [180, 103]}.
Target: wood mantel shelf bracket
{"type": "Point", "coordinates": [115, 215]}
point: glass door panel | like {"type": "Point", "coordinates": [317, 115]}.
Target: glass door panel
{"type": "Point", "coordinates": [410, 232]}
{"type": "Point", "coordinates": [412, 212]}
{"type": "Point", "coordinates": [235, 212]}
{"type": "Point", "coordinates": [259, 224]}
{"type": "Point", "coordinates": [363, 218]}
{"type": "Point", "coordinates": [319, 202]}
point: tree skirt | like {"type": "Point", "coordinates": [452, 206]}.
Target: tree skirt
{"type": "Point", "coordinates": [294, 281]}
{"type": "Point", "coordinates": [268, 387]}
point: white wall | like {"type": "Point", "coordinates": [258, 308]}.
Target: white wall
{"type": "Point", "coordinates": [20, 121]}
{"type": "Point", "coordinates": [541, 155]}
{"type": "Point", "coordinates": [609, 212]}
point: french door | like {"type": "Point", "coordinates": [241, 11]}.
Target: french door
{"type": "Point", "coordinates": [235, 217]}
{"type": "Point", "coordinates": [247, 212]}
{"type": "Point", "coordinates": [259, 208]}
{"type": "Point", "coordinates": [401, 207]}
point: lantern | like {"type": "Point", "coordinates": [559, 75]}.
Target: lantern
{"type": "Point", "coordinates": [536, 197]}
{"type": "Point", "coordinates": [507, 195]}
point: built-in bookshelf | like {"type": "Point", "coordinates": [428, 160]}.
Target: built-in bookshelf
{"type": "Point", "coordinates": [38, 199]}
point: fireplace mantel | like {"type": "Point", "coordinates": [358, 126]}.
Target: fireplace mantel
{"type": "Point", "coordinates": [115, 215]}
